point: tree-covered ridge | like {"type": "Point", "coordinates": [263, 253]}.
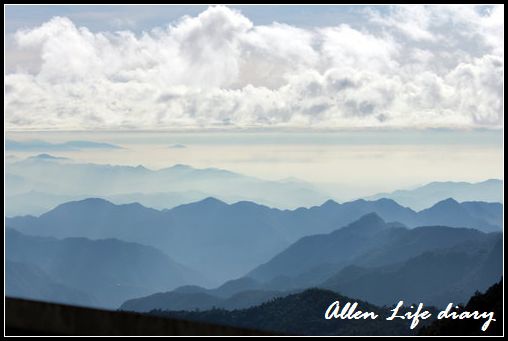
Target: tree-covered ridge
{"type": "Point", "coordinates": [490, 301]}
{"type": "Point", "coordinates": [304, 314]}
{"type": "Point", "coordinates": [301, 314]}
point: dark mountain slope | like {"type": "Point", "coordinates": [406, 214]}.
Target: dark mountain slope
{"type": "Point", "coordinates": [490, 301]}
{"type": "Point", "coordinates": [300, 314]}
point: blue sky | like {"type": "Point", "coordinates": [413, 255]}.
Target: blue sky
{"type": "Point", "coordinates": [139, 18]}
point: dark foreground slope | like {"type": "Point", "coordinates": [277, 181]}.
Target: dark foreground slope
{"type": "Point", "coordinates": [300, 314]}
{"type": "Point", "coordinates": [34, 318]}
{"type": "Point", "coordinates": [490, 301]}
{"type": "Point", "coordinates": [303, 314]}
{"type": "Point", "coordinates": [295, 314]}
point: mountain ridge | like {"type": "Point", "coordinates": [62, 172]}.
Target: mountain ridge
{"type": "Point", "coordinates": [490, 190]}
{"type": "Point", "coordinates": [116, 270]}
{"type": "Point", "coordinates": [216, 230]}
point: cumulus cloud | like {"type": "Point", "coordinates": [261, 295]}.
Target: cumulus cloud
{"type": "Point", "coordinates": [409, 67]}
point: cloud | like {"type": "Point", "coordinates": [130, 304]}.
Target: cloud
{"type": "Point", "coordinates": [408, 67]}
{"type": "Point", "coordinates": [32, 145]}
{"type": "Point", "coordinates": [414, 22]}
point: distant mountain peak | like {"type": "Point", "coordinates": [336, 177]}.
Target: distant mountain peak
{"type": "Point", "coordinates": [91, 144]}
{"type": "Point", "coordinates": [247, 204]}
{"type": "Point", "coordinates": [330, 203]}
{"type": "Point", "coordinates": [447, 202]}
{"type": "Point", "coordinates": [178, 146]}
{"type": "Point", "coordinates": [180, 166]}
{"type": "Point", "coordinates": [212, 201]}
{"type": "Point", "coordinates": [491, 181]}
{"type": "Point", "coordinates": [371, 218]}
{"type": "Point", "coordinates": [96, 201]}
{"type": "Point", "coordinates": [387, 201]}
{"type": "Point", "coordinates": [45, 156]}
{"type": "Point", "coordinates": [88, 202]}
{"type": "Point", "coordinates": [367, 222]}
{"type": "Point", "coordinates": [425, 196]}
{"type": "Point", "coordinates": [209, 202]}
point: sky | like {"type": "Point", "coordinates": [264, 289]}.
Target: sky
{"type": "Point", "coordinates": [369, 98]}
{"type": "Point", "coordinates": [138, 18]}
{"type": "Point", "coordinates": [186, 67]}
{"type": "Point", "coordinates": [347, 165]}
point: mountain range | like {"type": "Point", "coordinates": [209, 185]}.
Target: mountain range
{"type": "Point", "coordinates": [425, 196]}
{"type": "Point", "coordinates": [41, 182]}
{"type": "Point", "coordinates": [435, 277]}
{"type": "Point", "coordinates": [101, 273]}
{"type": "Point", "coordinates": [234, 294]}
{"type": "Point", "coordinates": [223, 240]}
{"type": "Point", "coordinates": [57, 180]}
{"type": "Point", "coordinates": [433, 264]}
{"type": "Point", "coordinates": [369, 241]}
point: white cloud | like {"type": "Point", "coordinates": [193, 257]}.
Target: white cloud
{"type": "Point", "coordinates": [412, 21]}
{"type": "Point", "coordinates": [417, 67]}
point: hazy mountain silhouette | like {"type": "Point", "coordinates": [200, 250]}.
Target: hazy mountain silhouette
{"type": "Point", "coordinates": [491, 213]}
{"type": "Point", "coordinates": [433, 277]}
{"type": "Point", "coordinates": [110, 271]}
{"type": "Point", "coordinates": [180, 182]}
{"type": "Point", "coordinates": [24, 280]}
{"type": "Point", "coordinates": [37, 203]}
{"type": "Point", "coordinates": [46, 157]}
{"type": "Point", "coordinates": [369, 242]}
{"type": "Point", "coordinates": [433, 264]}
{"type": "Point", "coordinates": [223, 240]}
{"type": "Point", "coordinates": [425, 196]}
{"type": "Point", "coordinates": [234, 294]}
{"type": "Point", "coordinates": [225, 290]}
{"type": "Point", "coordinates": [450, 213]}
{"type": "Point", "coordinates": [199, 301]}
